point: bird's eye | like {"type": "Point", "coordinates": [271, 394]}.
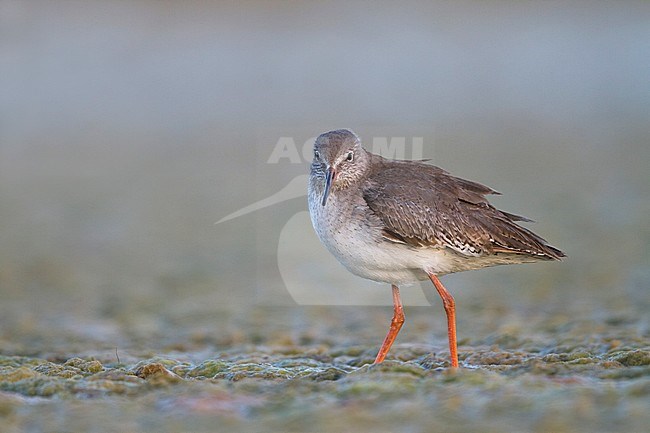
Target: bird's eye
{"type": "Point", "coordinates": [316, 154]}
{"type": "Point", "coordinates": [350, 157]}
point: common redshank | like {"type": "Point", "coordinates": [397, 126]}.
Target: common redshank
{"type": "Point", "coordinates": [399, 222]}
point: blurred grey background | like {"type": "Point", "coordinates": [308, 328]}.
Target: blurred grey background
{"type": "Point", "coordinates": [128, 128]}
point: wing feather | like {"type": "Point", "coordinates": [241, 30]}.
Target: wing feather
{"type": "Point", "coordinates": [426, 206]}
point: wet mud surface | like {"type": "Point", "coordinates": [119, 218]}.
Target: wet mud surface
{"type": "Point", "coordinates": [581, 376]}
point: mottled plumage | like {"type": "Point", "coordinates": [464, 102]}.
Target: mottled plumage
{"type": "Point", "coordinates": [423, 205]}
{"type": "Point", "coordinates": [404, 221]}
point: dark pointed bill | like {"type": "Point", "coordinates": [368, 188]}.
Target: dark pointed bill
{"type": "Point", "coordinates": [329, 178]}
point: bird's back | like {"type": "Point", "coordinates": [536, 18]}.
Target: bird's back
{"type": "Point", "coordinates": [422, 205]}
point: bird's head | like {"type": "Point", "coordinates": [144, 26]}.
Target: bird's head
{"type": "Point", "coordinates": [339, 158]}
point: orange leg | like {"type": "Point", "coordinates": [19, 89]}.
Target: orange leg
{"type": "Point", "coordinates": [395, 326]}
{"type": "Point", "coordinates": [450, 308]}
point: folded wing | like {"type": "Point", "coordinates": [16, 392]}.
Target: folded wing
{"type": "Point", "coordinates": [434, 208]}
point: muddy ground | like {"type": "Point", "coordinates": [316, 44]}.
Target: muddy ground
{"type": "Point", "coordinates": [549, 373]}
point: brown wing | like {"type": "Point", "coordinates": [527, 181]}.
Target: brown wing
{"type": "Point", "coordinates": [422, 205]}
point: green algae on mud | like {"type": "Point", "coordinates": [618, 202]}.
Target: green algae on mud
{"type": "Point", "coordinates": [33, 376]}
{"type": "Point", "coordinates": [573, 383]}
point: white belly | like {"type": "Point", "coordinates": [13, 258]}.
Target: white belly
{"type": "Point", "coordinates": [352, 233]}
{"type": "Point", "coordinates": [355, 240]}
